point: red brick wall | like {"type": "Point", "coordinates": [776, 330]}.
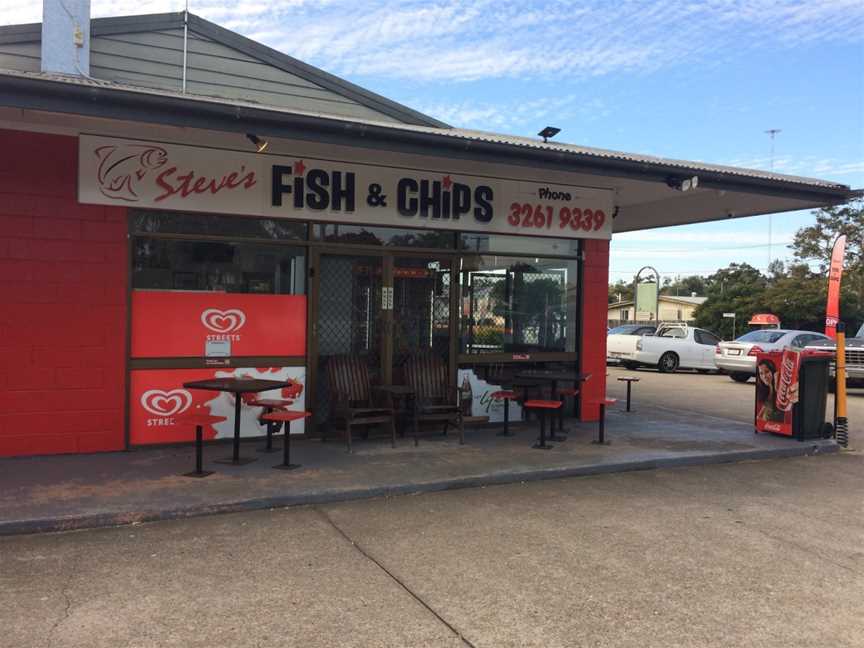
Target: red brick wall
{"type": "Point", "coordinates": [595, 287]}
{"type": "Point", "coordinates": [62, 304]}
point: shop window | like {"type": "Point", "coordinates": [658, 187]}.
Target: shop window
{"type": "Point", "coordinates": [154, 222]}
{"type": "Point", "coordinates": [518, 305]}
{"type": "Point", "coordinates": [171, 264]}
{"type": "Point", "coordinates": [518, 244]}
{"type": "Point", "coordinates": [385, 236]}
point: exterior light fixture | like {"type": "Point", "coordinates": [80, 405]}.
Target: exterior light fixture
{"type": "Point", "coordinates": [549, 131]}
{"type": "Point", "coordinates": [259, 144]}
{"type": "Point", "coordinates": [682, 184]}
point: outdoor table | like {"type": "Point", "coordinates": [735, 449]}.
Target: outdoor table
{"type": "Point", "coordinates": [398, 392]}
{"type": "Point", "coordinates": [238, 387]}
{"type": "Point", "coordinates": [554, 377]}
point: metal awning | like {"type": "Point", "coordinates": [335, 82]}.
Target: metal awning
{"type": "Point", "coordinates": [641, 183]}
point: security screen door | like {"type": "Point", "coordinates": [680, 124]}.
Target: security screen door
{"type": "Point", "coordinates": [357, 315]}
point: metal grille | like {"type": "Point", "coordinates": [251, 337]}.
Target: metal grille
{"type": "Point", "coordinates": [421, 310]}
{"type": "Point", "coordinates": [855, 357]}
{"type": "Point", "coordinates": [511, 310]}
{"type": "Point", "coordinates": [349, 302]}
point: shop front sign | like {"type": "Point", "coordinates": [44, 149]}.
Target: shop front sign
{"type": "Point", "coordinates": [156, 175]}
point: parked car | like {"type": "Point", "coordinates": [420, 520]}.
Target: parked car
{"type": "Point", "coordinates": [738, 358]}
{"type": "Point", "coordinates": [617, 339]}
{"type": "Point", "coordinates": [672, 347]}
{"type": "Point", "coordinates": [854, 357]}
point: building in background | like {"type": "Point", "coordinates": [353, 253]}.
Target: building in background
{"type": "Point", "coordinates": [671, 309]}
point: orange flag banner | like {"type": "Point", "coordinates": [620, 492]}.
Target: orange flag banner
{"type": "Point", "coordinates": [832, 309]}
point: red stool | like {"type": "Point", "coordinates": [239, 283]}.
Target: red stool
{"type": "Point", "coordinates": [269, 405]}
{"type": "Point", "coordinates": [199, 420]}
{"type": "Point", "coordinates": [505, 395]}
{"type": "Point", "coordinates": [280, 417]}
{"type": "Point", "coordinates": [541, 406]}
{"type": "Point", "coordinates": [601, 434]}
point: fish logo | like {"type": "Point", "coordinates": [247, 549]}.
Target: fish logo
{"type": "Point", "coordinates": [225, 321]}
{"type": "Point", "coordinates": [166, 403]}
{"type": "Point", "coordinates": [121, 168]}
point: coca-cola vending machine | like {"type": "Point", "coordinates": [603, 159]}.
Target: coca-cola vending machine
{"type": "Point", "coordinates": [791, 391]}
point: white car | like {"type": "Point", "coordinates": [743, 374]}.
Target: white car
{"type": "Point", "coordinates": [674, 346]}
{"type": "Point", "coordinates": [618, 339]}
{"type": "Point", "coordinates": [738, 358]}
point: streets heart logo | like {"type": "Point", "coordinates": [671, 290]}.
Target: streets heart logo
{"type": "Point", "coordinates": [165, 404]}
{"type": "Point", "coordinates": [223, 323]}
{"type": "Point", "coordinates": [122, 168]}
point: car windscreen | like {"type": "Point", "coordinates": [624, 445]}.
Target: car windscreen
{"type": "Point", "coordinates": [860, 332]}
{"type": "Point", "coordinates": [627, 329]}
{"type": "Point", "coordinates": [765, 335]}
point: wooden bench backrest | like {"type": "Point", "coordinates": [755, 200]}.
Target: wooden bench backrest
{"type": "Point", "coordinates": [349, 376]}
{"type": "Point", "coordinates": [427, 374]}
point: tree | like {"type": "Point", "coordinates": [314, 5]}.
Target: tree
{"type": "Point", "coordinates": [813, 245]}
{"type": "Point", "coordinates": [684, 287]}
{"type": "Point", "coordinates": [622, 288]}
{"type": "Point", "coordinates": [738, 289]}
{"type": "Point", "coordinates": [797, 296]}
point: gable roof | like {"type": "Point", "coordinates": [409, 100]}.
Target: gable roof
{"type": "Point", "coordinates": [673, 299]}
{"type": "Point", "coordinates": [166, 23]}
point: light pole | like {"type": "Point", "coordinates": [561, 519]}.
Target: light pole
{"type": "Point", "coordinates": [772, 133]}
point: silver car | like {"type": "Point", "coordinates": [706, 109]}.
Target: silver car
{"type": "Point", "coordinates": [738, 358]}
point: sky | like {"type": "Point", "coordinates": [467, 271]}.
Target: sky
{"type": "Point", "coordinates": [689, 80]}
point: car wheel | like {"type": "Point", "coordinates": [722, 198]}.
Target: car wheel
{"type": "Point", "coordinates": [740, 377]}
{"type": "Point", "coordinates": [668, 362]}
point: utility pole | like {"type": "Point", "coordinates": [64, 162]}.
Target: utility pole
{"type": "Point", "coordinates": [772, 133]}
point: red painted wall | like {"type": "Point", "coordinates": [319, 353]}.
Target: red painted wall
{"type": "Point", "coordinates": [63, 269]}
{"type": "Point", "coordinates": [595, 287]}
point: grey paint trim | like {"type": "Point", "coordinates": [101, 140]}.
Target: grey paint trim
{"type": "Point", "coordinates": [113, 103]}
{"type": "Point", "coordinates": [157, 22]}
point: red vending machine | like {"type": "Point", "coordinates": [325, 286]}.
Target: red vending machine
{"type": "Point", "coordinates": [791, 392]}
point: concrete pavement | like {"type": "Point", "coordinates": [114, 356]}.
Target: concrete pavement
{"type": "Point", "coordinates": [764, 553]}
{"type": "Point", "coordinates": [714, 395]}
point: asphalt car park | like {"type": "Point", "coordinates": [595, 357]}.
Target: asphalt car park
{"type": "Point", "coordinates": [711, 394]}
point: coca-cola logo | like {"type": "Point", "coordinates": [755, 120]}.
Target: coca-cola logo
{"type": "Point", "coordinates": [223, 321]}
{"type": "Point", "coordinates": [121, 168]}
{"type": "Point", "coordinates": [166, 403]}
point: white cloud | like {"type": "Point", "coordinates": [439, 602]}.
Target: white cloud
{"type": "Point", "coordinates": [459, 40]}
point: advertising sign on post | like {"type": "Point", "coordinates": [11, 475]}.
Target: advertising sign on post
{"type": "Point", "coordinates": [157, 175]}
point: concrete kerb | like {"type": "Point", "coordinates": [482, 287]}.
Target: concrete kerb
{"type": "Point", "coordinates": [89, 521]}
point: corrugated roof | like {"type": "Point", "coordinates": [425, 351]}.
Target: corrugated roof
{"type": "Point", "coordinates": [577, 151]}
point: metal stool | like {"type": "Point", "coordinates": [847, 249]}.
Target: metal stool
{"type": "Point", "coordinates": [541, 406]}
{"type": "Point", "coordinates": [269, 405]}
{"type": "Point", "coordinates": [506, 396]}
{"type": "Point", "coordinates": [563, 393]}
{"type": "Point", "coordinates": [628, 380]}
{"type": "Point", "coordinates": [601, 435]}
{"type": "Point", "coordinates": [199, 420]}
{"type": "Point", "coordinates": [280, 417]}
